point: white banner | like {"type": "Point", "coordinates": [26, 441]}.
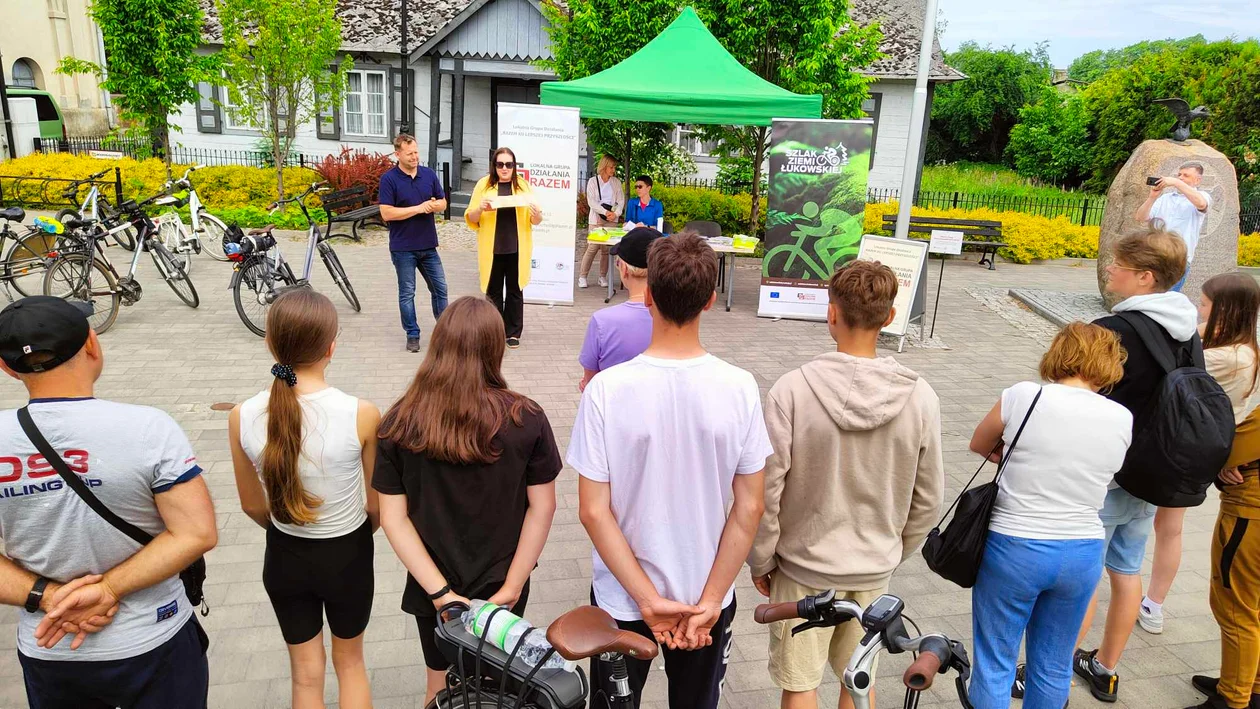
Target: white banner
{"type": "Point", "coordinates": [545, 141]}
{"type": "Point", "coordinates": [906, 258]}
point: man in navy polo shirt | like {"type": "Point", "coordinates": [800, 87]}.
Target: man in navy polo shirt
{"type": "Point", "coordinates": [410, 195]}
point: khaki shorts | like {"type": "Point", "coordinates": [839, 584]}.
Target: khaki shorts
{"type": "Point", "coordinates": [797, 663]}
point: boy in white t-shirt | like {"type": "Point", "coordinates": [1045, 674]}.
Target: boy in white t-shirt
{"type": "Point", "coordinates": [663, 443]}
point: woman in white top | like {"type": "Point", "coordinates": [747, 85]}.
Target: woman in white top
{"type": "Point", "coordinates": [606, 200]}
{"type": "Point", "coordinates": [1228, 306]}
{"type": "Point", "coordinates": [1044, 553]}
{"type": "Point", "coordinates": [302, 451]}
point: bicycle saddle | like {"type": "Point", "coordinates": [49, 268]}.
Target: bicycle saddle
{"type": "Point", "coordinates": [265, 231]}
{"type": "Point", "coordinates": [589, 631]}
{"type": "Point", "coordinates": [13, 214]}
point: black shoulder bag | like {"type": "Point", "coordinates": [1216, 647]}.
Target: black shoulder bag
{"type": "Point", "coordinates": [194, 577]}
{"type": "Point", "coordinates": [955, 553]}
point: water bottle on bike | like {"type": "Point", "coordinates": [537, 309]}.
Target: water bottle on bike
{"type": "Point", "coordinates": [505, 631]}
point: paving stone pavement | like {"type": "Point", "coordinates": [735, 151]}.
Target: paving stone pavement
{"type": "Point", "coordinates": [163, 354]}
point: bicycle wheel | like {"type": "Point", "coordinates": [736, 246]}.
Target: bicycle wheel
{"type": "Point", "coordinates": [66, 215]}
{"type": "Point", "coordinates": [173, 269]}
{"type": "Point", "coordinates": [213, 233]}
{"type": "Point", "coordinates": [339, 275]}
{"type": "Point", "coordinates": [72, 277]}
{"type": "Point", "coordinates": [27, 262]}
{"type": "Point", "coordinates": [255, 286]}
{"type": "Point", "coordinates": [125, 238]}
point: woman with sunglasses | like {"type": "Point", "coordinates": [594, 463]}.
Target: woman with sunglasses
{"type": "Point", "coordinates": [646, 210]}
{"type": "Point", "coordinates": [505, 242]}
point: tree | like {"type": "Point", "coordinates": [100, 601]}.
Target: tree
{"type": "Point", "coordinates": [1092, 65]}
{"type": "Point", "coordinates": [279, 61]}
{"type": "Point", "coordinates": [1051, 142]}
{"type": "Point", "coordinates": [972, 119]}
{"type": "Point", "coordinates": [804, 46]}
{"type": "Point", "coordinates": [151, 62]}
{"type": "Point", "coordinates": [593, 35]}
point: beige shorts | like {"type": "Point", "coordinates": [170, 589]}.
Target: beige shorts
{"type": "Point", "coordinates": [797, 663]}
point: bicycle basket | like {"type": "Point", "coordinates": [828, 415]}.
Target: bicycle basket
{"type": "Point", "coordinates": [549, 688]}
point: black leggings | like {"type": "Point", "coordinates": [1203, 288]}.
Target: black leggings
{"type": "Point", "coordinates": [308, 578]}
{"type": "Point", "coordinates": [505, 276]}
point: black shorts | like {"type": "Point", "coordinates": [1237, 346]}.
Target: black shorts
{"type": "Point", "coordinates": [433, 657]}
{"type": "Point", "coordinates": [308, 578]}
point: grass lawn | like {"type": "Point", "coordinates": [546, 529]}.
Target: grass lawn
{"type": "Point", "coordinates": [995, 180]}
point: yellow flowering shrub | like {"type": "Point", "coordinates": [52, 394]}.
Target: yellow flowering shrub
{"type": "Point", "coordinates": [1249, 249]}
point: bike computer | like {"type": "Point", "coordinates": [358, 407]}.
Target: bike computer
{"type": "Point", "coordinates": [884, 611]}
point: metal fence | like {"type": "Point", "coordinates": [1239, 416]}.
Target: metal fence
{"type": "Point", "coordinates": [141, 148]}
{"type": "Point", "coordinates": [55, 192]}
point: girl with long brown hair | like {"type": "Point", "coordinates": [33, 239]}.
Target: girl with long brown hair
{"type": "Point", "coordinates": [505, 246]}
{"type": "Point", "coordinates": [1228, 306]}
{"type": "Point", "coordinates": [303, 451]}
{"type": "Point", "coordinates": [466, 472]}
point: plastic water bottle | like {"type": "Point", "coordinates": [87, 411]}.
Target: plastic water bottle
{"type": "Point", "coordinates": [505, 633]}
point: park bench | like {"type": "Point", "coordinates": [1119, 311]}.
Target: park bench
{"type": "Point", "coordinates": [989, 233]}
{"type": "Point", "coordinates": [350, 206]}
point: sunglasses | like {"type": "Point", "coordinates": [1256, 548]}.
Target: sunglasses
{"type": "Point", "coordinates": [504, 165]}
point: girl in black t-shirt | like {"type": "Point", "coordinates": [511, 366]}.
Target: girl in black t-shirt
{"type": "Point", "coordinates": [466, 469]}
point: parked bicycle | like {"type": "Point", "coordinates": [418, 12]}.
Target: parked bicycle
{"type": "Point", "coordinates": [82, 270]}
{"type": "Point", "coordinates": [207, 232]}
{"type": "Point", "coordinates": [885, 627]}
{"type": "Point", "coordinates": [25, 255]}
{"type": "Point", "coordinates": [95, 206]}
{"type": "Point", "coordinates": [261, 273]}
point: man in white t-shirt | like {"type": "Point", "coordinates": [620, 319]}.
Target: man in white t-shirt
{"type": "Point", "coordinates": [1181, 206]}
{"type": "Point", "coordinates": [662, 444]}
{"type": "Point", "coordinates": [139, 464]}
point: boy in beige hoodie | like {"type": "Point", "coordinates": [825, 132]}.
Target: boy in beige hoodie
{"type": "Point", "coordinates": [855, 481]}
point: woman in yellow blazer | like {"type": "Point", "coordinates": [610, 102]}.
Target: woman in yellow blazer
{"type": "Point", "coordinates": [504, 246]}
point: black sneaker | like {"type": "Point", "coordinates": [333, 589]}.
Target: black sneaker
{"type": "Point", "coordinates": [513, 342]}
{"type": "Point", "coordinates": [1208, 685]}
{"type": "Point", "coordinates": [1017, 687]}
{"type": "Point", "coordinates": [413, 344]}
{"type": "Point", "coordinates": [1103, 686]}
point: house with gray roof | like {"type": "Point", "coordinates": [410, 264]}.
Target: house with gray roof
{"type": "Point", "coordinates": [464, 57]}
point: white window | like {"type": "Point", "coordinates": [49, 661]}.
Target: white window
{"type": "Point", "coordinates": [363, 112]}
{"type": "Point", "coordinates": [688, 138]}
{"type": "Point", "coordinates": [24, 73]}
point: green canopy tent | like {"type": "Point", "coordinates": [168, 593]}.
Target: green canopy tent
{"type": "Point", "coordinates": [684, 75]}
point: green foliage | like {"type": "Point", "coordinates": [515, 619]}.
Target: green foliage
{"type": "Point", "coordinates": [735, 174]}
{"type": "Point", "coordinates": [1051, 142]}
{"type": "Point", "coordinates": [972, 119]}
{"type": "Point", "coordinates": [1092, 65]}
{"type": "Point", "coordinates": [686, 204]}
{"type": "Point", "coordinates": [987, 180]}
{"type": "Point", "coordinates": [662, 161]}
{"type": "Point", "coordinates": [277, 56]}
{"type": "Point", "coordinates": [152, 63]}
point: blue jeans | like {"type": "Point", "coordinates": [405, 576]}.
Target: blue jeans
{"type": "Point", "coordinates": [406, 263]}
{"type": "Point", "coordinates": [1182, 283]}
{"type": "Point", "coordinates": [1043, 588]}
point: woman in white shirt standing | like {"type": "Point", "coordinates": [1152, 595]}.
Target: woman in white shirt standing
{"type": "Point", "coordinates": [606, 200]}
{"type": "Point", "coordinates": [1044, 553]}
{"type": "Point", "coordinates": [301, 451]}
{"type": "Point", "coordinates": [1228, 306]}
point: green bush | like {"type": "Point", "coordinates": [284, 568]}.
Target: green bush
{"type": "Point", "coordinates": [688, 204]}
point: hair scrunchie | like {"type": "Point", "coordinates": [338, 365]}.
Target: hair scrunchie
{"type": "Point", "coordinates": [284, 373]}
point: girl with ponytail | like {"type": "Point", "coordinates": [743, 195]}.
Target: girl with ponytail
{"type": "Point", "coordinates": [302, 451]}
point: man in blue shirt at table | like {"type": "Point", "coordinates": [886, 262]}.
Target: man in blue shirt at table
{"type": "Point", "coordinates": [410, 195]}
{"type": "Point", "coordinates": [645, 210]}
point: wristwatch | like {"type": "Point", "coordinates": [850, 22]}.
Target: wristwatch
{"type": "Point", "coordinates": [36, 595]}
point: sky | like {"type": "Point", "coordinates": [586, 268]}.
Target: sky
{"type": "Point", "coordinates": [1074, 27]}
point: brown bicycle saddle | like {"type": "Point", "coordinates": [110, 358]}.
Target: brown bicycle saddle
{"type": "Point", "coordinates": [589, 631]}
{"type": "Point", "coordinates": [260, 232]}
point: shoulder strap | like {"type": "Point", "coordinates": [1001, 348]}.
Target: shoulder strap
{"type": "Point", "coordinates": [1002, 465]}
{"type": "Point", "coordinates": [1151, 335]}
{"type": "Point", "coordinates": [83, 491]}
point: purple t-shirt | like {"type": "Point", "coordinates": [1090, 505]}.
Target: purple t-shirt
{"type": "Point", "coordinates": [615, 335]}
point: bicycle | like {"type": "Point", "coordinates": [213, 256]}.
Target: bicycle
{"type": "Point", "coordinates": [23, 265]}
{"type": "Point", "coordinates": [885, 627]}
{"type": "Point", "coordinates": [95, 206]}
{"type": "Point", "coordinates": [177, 237]}
{"type": "Point", "coordinates": [70, 275]}
{"type": "Point", "coordinates": [498, 679]}
{"type": "Point", "coordinates": [261, 273]}
{"type": "Point", "coordinates": [837, 237]}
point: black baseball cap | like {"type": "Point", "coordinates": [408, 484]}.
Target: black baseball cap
{"type": "Point", "coordinates": [41, 323]}
{"type": "Point", "coordinates": [633, 248]}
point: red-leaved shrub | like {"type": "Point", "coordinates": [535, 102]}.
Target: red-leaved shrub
{"type": "Point", "coordinates": [354, 167]}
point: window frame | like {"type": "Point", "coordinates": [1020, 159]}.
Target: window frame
{"type": "Point", "coordinates": [363, 112]}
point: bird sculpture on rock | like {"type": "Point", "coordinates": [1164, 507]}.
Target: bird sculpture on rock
{"type": "Point", "coordinates": [1185, 116]}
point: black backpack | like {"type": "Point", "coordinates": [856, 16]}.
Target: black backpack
{"type": "Point", "coordinates": [1181, 442]}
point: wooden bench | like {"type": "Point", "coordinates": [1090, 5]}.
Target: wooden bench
{"type": "Point", "coordinates": [350, 206]}
{"type": "Point", "coordinates": [988, 245]}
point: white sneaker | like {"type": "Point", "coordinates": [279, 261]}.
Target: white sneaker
{"type": "Point", "coordinates": [582, 282]}
{"type": "Point", "coordinates": [1152, 623]}
{"type": "Point", "coordinates": [603, 282]}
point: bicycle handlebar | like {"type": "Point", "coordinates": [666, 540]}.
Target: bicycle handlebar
{"type": "Point", "coordinates": [772, 612]}
{"type": "Point", "coordinates": [321, 186]}
{"type": "Point", "coordinates": [933, 653]}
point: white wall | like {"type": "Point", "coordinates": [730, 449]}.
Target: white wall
{"type": "Point", "coordinates": [892, 134]}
